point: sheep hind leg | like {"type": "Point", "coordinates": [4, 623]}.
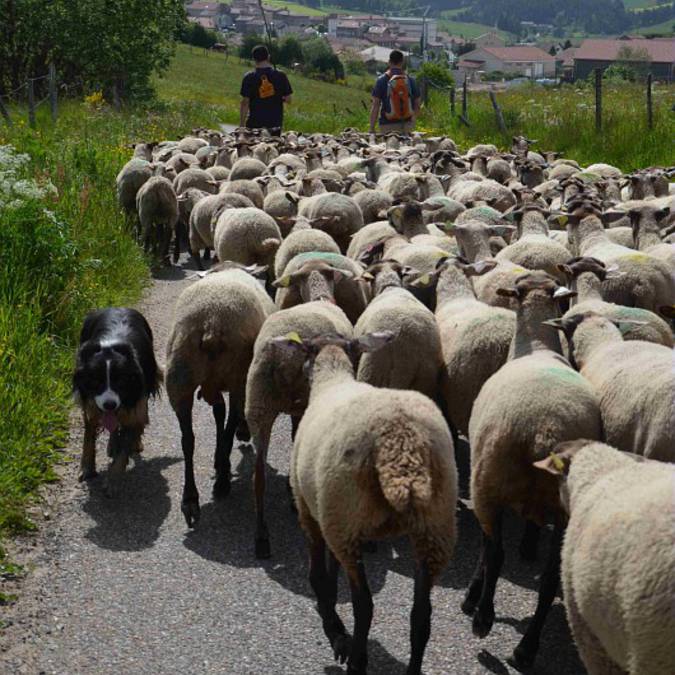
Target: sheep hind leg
{"type": "Point", "coordinates": [420, 618]}
{"type": "Point", "coordinates": [221, 487]}
{"type": "Point", "coordinates": [526, 651]}
{"type": "Point", "coordinates": [323, 573]}
{"type": "Point", "coordinates": [260, 433]}
{"type": "Point", "coordinates": [362, 604]}
{"type": "Point", "coordinates": [165, 245]}
{"type": "Point", "coordinates": [190, 501]}
{"type": "Point", "coordinates": [529, 542]}
{"type": "Point", "coordinates": [484, 615]}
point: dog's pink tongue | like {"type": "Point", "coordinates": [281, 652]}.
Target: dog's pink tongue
{"type": "Point", "coordinates": [109, 421]}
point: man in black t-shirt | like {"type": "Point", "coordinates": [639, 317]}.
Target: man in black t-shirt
{"type": "Point", "coordinates": [263, 94]}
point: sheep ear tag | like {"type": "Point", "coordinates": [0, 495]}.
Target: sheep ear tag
{"type": "Point", "coordinates": [553, 464]}
{"type": "Point", "coordinates": [293, 337]}
{"type": "Point", "coordinates": [285, 281]}
{"type": "Point", "coordinates": [562, 220]}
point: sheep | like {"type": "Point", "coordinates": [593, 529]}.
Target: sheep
{"type": "Point", "coordinates": [530, 404]}
{"type": "Point", "coordinates": [157, 207]}
{"type": "Point", "coordinates": [634, 382]}
{"type": "Point", "coordinates": [247, 236]}
{"type": "Point", "coordinates": [281, 205]}
{"type": "Point", "coordinates": [473, 238]}
{"type": "Point", "coordinates": [644, 281]}
{"type": "Point", "coordinates": [388, 470]}
{"type": "Point", "coordinates": [248, 188]}
{"type": "Point", "coordinates": [219, 173]}
{"type": "Point", "coordinates": [129, 181]}
{"type": "Point", "coordinates": [323, 276]}
{"type": "Point", "coordinates": [372, 203]}
{"type": "Point", "coordinates": [210, 347]}
{"type": "Point", "coordinates": [412, 360]}
{"type": "Point", "coordinates": [585, 277]}
{"type": "Point", "coordinates": [203, 219]}
{"type": "Point", "coordinates": [182, 161]}
{"type": "Point", "coordinates": [368, 236]}
{"type": "Point", "coordinates": [346, 217]}
{"type": "Point", "coordinates": [286, 164]}
{"type": "Point", "coordinates": [534, 249]}
{"type": "Point", "coordinates": [143, 150]}
{"type": "Point", "coordinates": [206, 156]}
{"type": "Point", "coordinates": [647, 222]}
{"type": "Point", "coordinates": [489, 191]}
{"type": "Point", "coordinates": [277, 384]}
{"type": "Point", "coordinates": [247, 168]}
{"type": "Point", "coordinates": [299, 241]}
{"type": "Point", "coordinates": [195, 178]}
{"type": "Point", "coordinates": [618, 582]}
{"type": "Point", "coordinates": [190, 144]}
{"type": "Point", "coordinates": [475, 337]}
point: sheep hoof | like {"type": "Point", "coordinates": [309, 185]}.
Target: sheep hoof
{"type": "Point", "coordinates": [342, 646]}
{"type": "Point", "coordinates": [469, 606]}
{"type": "Point", "coordinates": [522, 659]}
{"type": "Point", "coordinates": [221, 488]}
{"type": "Point", "coordinates": [482, 622]}
{"type": "Point", "coordinates": [263, 550]}
{"type": "Point", "coordinates": [242, 433]}
{"type": "Point", "coordinates": [87, 474]}
{"type": "Point", "coordinates": [190, 509]}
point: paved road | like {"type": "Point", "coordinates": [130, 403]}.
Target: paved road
{"type": "Point", "coordinates": [121, 586]}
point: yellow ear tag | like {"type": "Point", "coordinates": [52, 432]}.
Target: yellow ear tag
{"type": "Point", "coordinates": [424, 279]}
{"type": "Point", "coordinates": [562, 220]}
{"type": "Point", "coordinates": [285, 281]}
{"type": "Point", "coordinates": [557, 462]}
{"type": "Point", "coordinates": [293, 337]}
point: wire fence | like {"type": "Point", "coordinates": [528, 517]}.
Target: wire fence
{"type": "Point", "coordinates": [25, 92]}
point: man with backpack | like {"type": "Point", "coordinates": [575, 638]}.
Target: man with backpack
{"type": "Point", "coordinates": [396, 98]}
{"type": "Point", "coordinates": [263, 94]}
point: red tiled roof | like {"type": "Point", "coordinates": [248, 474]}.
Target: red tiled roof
{"type": "Point", "coordinates": [519, 53]}
{"type": "Point", "coordinates": [566, 56]}
{"type": "Point", "coordinates": [661, 51]}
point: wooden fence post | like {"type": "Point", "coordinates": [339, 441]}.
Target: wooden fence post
{"type": "Point", "coordinates": [425, 91]}
{"type": "Point", "coordinates": [498, 112]}
{"type": "Point", "coordinates": [598, 99]}
{"type": "Point", "coordinates": [53, 95]}
{"type": "Point", "coordinates": [31, 103]}
{"type": "Point", "coordinates": [650, 109]}
{"type": "Point", "coordinates": [452, 101]}
{"type": "Point", "coordinates": [5, 113]}
{"type": "Point", "coordinates": [465, 99]}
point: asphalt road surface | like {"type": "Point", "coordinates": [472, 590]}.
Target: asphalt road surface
{"type": "Point", "coordinates": [122, 586]}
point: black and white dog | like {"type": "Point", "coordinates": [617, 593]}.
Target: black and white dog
{"type": "Point", "coordinates": [115, 375]}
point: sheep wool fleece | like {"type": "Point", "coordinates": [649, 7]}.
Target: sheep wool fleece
{"type": "Point", "coordinates": [618, 562]}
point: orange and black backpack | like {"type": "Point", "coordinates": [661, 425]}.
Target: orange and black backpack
{"type": "Point", "coordinates": [399, 95]}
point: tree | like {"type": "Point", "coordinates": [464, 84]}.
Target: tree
{"type": "Point", "coordinates": [635, 59]}
{"type": "Point", "coordinates": [108, 46]}
{"type": "Point", "coordinates": [290, 51]}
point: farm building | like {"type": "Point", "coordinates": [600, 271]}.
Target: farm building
{"type": "Point", "coordinates": [528, 61]}
{"type": "Point", "coordinates": [603, 53]}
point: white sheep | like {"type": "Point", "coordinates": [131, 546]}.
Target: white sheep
{"type": "Point", "coordinates": [618, 559]}
{"type": "Point", "coordinates": [216, 322]}
{"type": "Point", "coordinates": [304, 240]}
{"type": "Point", "coordinates": [387, 469]}
{"type": "Point", "coordinates": [345, 215]}
{"type": "Point", "coordinates": [277, 384]}
{"type": "Point", "coordinates": [634, 382]}
{"type": "Point", "coordinates": [157, 207]}
{"type": "Point", "coordinates": [532, 403]}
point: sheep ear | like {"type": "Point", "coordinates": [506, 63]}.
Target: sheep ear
{"type": "Point", "coordinates": [554, 464]}
{"type": "Point", "coordinates": [256, 270]}
{"type": "Point", "coordinates": [423, 281]}
{"type": "Point", "coordinates": [291, 342]}
{"type": "Point", "coordinates": [371, 342]}
{"type": "Point", "coordinates": [293, 198]}
{"type": "Point", "coordinates": [339, 275]}
{"type": "Point", "coordinates": [558, 324]}
{"type": "Point", "coordinates": [508, 292]}
{"type": "Point", "coordinates": [662, 213]}
{"type": "Point", "coordinates": [565, 269]}
{"type": "Point", "coordinates": [612, 216]}
{"type": "Point", "coordinates": [563, 292]}
{"type": "Point", "coordinates": [627, 325]}
{"type": "Point", "coordinates": [283, 282]}
{"type": "Point", "coordinates": [500, 230]}
{"type": "Point", "coordinates": [479, 268]}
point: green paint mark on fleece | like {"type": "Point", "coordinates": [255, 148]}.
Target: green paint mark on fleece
{"type": "Point", "coordinates": [564, 374]}
{"type": "Point", "coordinates": [333, 258]}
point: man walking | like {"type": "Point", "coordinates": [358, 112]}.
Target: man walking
{"type": "Point", "coordinates": [263, 94]}
{"type": "Point", "coordinates": [396, 98]}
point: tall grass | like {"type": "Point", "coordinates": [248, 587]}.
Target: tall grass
{"type": "Point", "coordinates": [563, 119]}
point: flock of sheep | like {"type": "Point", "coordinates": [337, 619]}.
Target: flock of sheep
{"type": "Point", "coordinates": [516, 298]}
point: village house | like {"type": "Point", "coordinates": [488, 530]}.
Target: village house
{"type": "Point", "coordinates": [529, 62]}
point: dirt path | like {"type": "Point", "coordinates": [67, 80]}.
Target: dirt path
{"type": "Point", "coordinates": [121, 586]}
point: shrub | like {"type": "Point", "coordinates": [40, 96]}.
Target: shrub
{"type": "Point", "coordinates": [436, 73]}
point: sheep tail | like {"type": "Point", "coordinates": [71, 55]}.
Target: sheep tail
{"type": "Point", "coordinates": [270, 245]}
{"type": "Point", "coordinates": [402, 463]}
{"type": "Point", "coordinates": [212, 341]}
